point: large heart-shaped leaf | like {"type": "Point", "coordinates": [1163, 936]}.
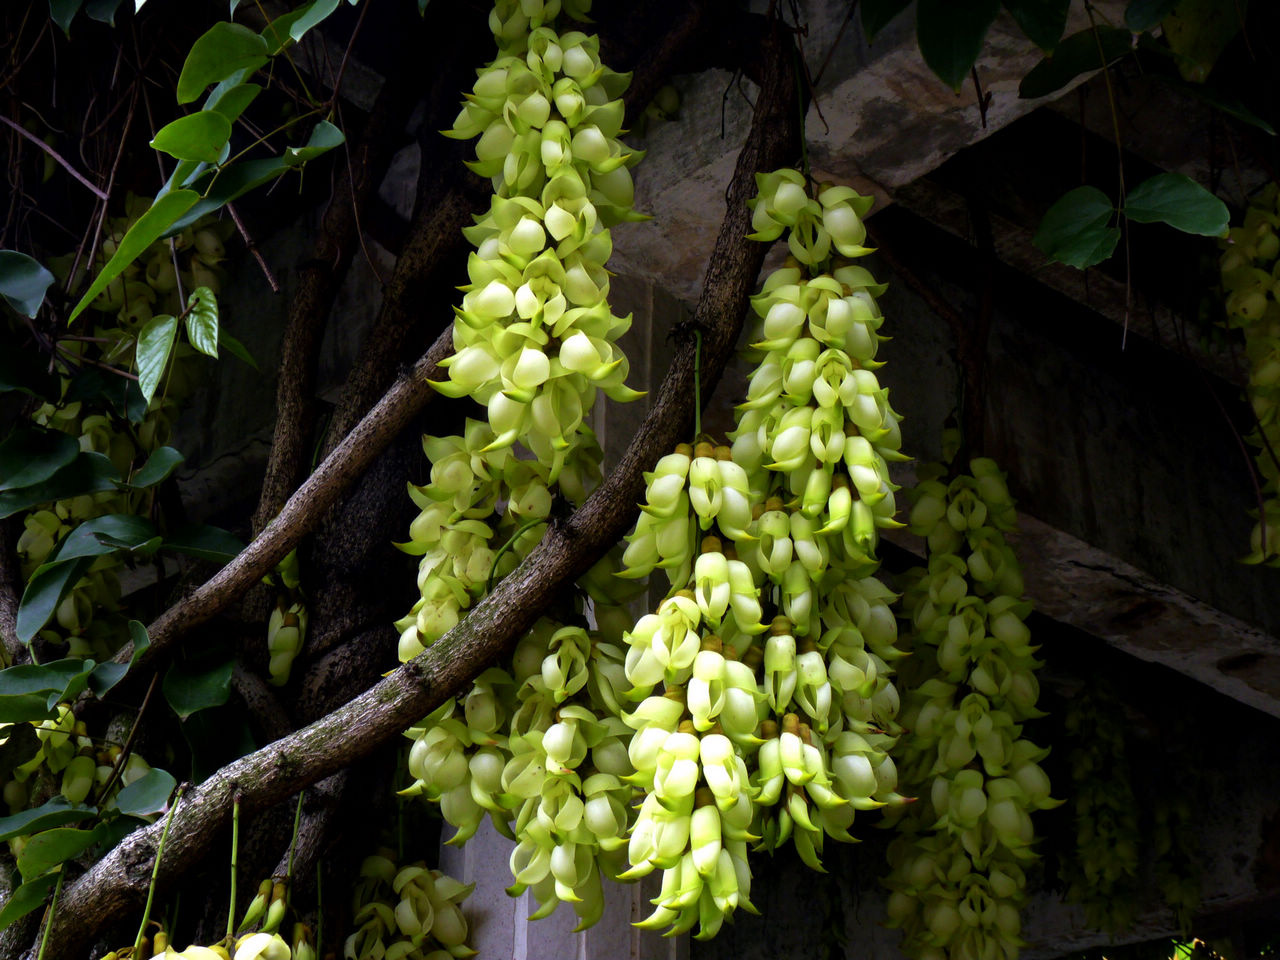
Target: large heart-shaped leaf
{"type": "Point", "coordinates": [30, 691]}
{"type": "Point", "coordinates": [877, 14]}
{"type": "Point", "coordinates": [28, 897]}
{"type": "Point", "coordinates": [87, 473]}
{"type": "Point", "coordinates": [197, 136]}
{"type": "Point", "coordinates": [205, 542]}
{"type": "Point", "coordinates": [1180, 202]}
{"type": "Point", "coordinates": [45, 850]}
{"type": "Point", "coordinates": [222, 50]}
{"type": "Point", "coordinates": [951, 34]}
{"type": "Point", "coordinates": [323, 138]}
{"type": "Point", "coordinates": [1076, 229]}
{"type": "Point", "coordinates": [1041, 20]}
{"type": "Point", "coordinates": [162, 462]}
{"type": "Point", "coordinates": [190, 687]}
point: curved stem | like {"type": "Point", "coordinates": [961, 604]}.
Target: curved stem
{"type": "Point", "coordinates": [155, 872]}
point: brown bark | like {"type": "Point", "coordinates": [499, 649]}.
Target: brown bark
{"type": "Point", "coordinates": [118, 882]}
{"type": "Point", "coordinates": [10, 593]}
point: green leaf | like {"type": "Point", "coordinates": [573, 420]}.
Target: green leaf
{"type": "Point", "coordinates": [877, 14]}
{"type": "Point", "coordinates": [1041, 20]}
{"type": "Point", "coordinates": [231, 99]}
{"type": "Point", "coordinates": [237, 349]}
{"type": "Point", "coordinates": [950, 35]}
{"type": "Point", "coordinates": [46, 850]}
{"type": "Point", "coordinates": [231, 183]}
{"type": "Point", "coordinates": [1143, 15]}
{"type": "Point", "coordinates": [147, 795]}
{"type": "Point", "coordinates": [30, 691]}
{"type": "Point", "coordinates": [206, 543]}
{"type": "Point", "coordinates": [155, 342]}
{"type": "Point", "coordinates": [190, 687]}
{"type": "Point", "coordinates": [1223, 100]}
{"type": "Point", "coordinates": [87, 473]}
{"type": "Point", "coordinates": [46, 589]}
{"type": "Point", "coordinates": [222, 50]}
{"type": "Point", "coordinates": [316, 11]}
{"type": "Point", "coordinates": [202, 321]}
{"type": "Point", "coordinates": [422, 6]}
{"type": "Point", "coordinates": [146, 230]}
{"type": "Point", "coordinates": [28, 897]}
{"type": "Point", "coordinates": [62, 12]}
{"type": "Point", "coordinates": [23, 282]}
{"type": "Point", "coordinates": [1180, 202]}
{"type": "Point", "coordinates": [104, 11]}
{"type": "Point", "coordinates": [107, 675]}
{"type": "Point", "coordinates": [323, 138]}
{"type": "Point", "coordinates": [97, 386]}
{"type": "Point", "coordinates": [197, 136]}
{"type": "Point", "coordinates": [162, 462]}
{"type": "Point", "coordinates": [1077, 54]}
{"type": "Point", "coordinates": [100, 536]}
{"type": "Point", "coordinates": [1075, 230]}
{"type": "Point", "coordinates": [54, 813]}
{"type": "Point", "coordinates": [29, 456]}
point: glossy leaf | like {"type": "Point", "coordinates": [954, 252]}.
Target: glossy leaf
{"type": "Point", "coordinates": [107, 675]}
{"type": "Point", "coordinates": [147, 795]}
{"type": "Point", "coordinates": [1077, 54]}
{"type": "Point", "coordinates": [878, 14]}
{"type": "Point", "coordinates": [106, 534]}
{"type": "Point", "coordinates": [104, 11]}
{"type": "Point", "coordinates": [19, 746]}
{"type": "Point", "coordinates": [1043, 21]}
{"type": "Point", "coordinates": [197, 136]}
{"type": "Point", "coordinates": [98, 386]}
{"type": "Point", "coordinates": [145, 231]}
{"type": "Point", "coordinates": [232, 99]}
{"type": "Point", "coordinates": [1180, 202]}
{"type": "Point", "coordinates": [222, 50]}
{"type": "Point", "coordinates": [276, 32]}
{"type": "Point", "coordinates": [62, 12]}
{"type": "Point", "coordinates": [316, 12]}
{"type": "Point", "coordinates": [29, 456]}
{"type": "Point", "coordinates": [951, 34]}
{"type": "Point", "coordinates": [162, 462]}
{"type": "Point", "coordinates": [205, 542]}
{"type": "Point", "coordinates": [87, 473]}
{"type": "Point", "coordinates": [23, 282]}
{"type": "Point", "coordinates": [45, 590]}
{"type": "Point", "coordinates": [53, 813]}
{"type": "Point", "coordinates": [155, 343]}
{"type": "Point", "coordinates": [28, 897]}
{"type": "Point", "coordinates": [45, 850]}
{"type": "Point", "coordinates": [30, 691]}
{"type": "Point", "coordinates": [1075, 230]}
{"type": "Point", "coordinates": [1143, 15]}
{"type": "Point", "coordinates": [202, 321]}
{"type": "Point", "coordinates": [323, 138]}
{"type": "Point", "coordinates": [237, 349]}
{"type": "Point", "coordinates": [1223, 100]}
{"type": "Point", "coordinates": [190, 687]}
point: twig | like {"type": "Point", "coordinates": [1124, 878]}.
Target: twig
{"type": "Point", "coordinates": [252, 247]}
{"type": "Point", "coordinates": [96, 363]}
{"type": "Point", "coordinates": [125, 750]}
{"type": "Point", "coordinates": [61, 160]}
{"type": "Point", "coordinates": [353, 731]}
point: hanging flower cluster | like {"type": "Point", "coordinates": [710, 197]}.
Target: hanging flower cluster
{"type": "Point", "coordinates": [1250, 263]}
{"type": "Point", "coordinates": [767, 711]}
{"type": "Point", "coordinates": [957, 876]}
{"type": "Point", "coordinates": [407, 913]}
{"type": "Point", "coordinates": [537, 745]}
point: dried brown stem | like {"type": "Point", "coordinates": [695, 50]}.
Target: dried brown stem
{"type": "Point", "coordinates": [118, 881]}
